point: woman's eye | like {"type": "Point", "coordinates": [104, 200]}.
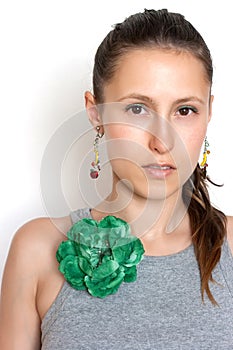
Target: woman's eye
{"type": "Point", "coordinates": [184, 111]}
{"type": "Point", "coordinates": [137, 109]}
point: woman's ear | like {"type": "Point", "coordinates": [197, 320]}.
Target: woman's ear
{"type": "Point", "coordinates": [210, 107]}
{"type": "Point", "coordinates": [92, 109]}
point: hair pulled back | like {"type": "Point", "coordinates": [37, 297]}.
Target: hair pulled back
{"type": "Point", "coordinates": [149, 29]}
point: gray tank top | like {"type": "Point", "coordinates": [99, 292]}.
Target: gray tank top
{"type": "Point", "coordinates": [161, 310]}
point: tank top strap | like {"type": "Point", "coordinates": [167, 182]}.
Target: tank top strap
{"type": "Point", "coordinates": [226, 265]}
{"type": "Point", "coordinates": [80, 214]}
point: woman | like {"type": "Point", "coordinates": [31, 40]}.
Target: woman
{"type": "Point", "coordinates": [152, 101]}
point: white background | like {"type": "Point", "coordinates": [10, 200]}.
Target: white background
{"type": "Point", "coordinates": [47, 50]}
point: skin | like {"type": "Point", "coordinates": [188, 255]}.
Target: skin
{"type": "Point", "coordinates": [158, 80]}
{"type": "Point", "coordinates": [31, 279]}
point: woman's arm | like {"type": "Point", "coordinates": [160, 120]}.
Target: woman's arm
{"type": "Point", "coordinates": [230, 232]}
{"type": "Point", "coordinates": [19, 319]}
{"type": "Point", "coordinates": [31, 282]}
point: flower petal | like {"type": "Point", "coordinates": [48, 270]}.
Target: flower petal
{"type": "Point", "coordinates": [105, 269]}
{"type": "Point", "coordinates": [72, 272]}
{"type": "Point", "coordinates": [65, 248]}
{"type": "Point", "coordinates": [130, 274]}
{"type": "Point", "coordinates": [85, 266]}
{"type": "Point", "coordinates": [111, 287]}
{"type": "Point", "coordinates": [99, 256]}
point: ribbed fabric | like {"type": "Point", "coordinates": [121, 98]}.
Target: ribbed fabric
{"type": "Point", "coordinates": [162, 310]}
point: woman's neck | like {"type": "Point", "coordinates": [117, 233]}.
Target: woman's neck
{"type": "Point", "coordinates": [162, 224]}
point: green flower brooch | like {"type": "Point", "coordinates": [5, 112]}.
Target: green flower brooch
{"type": "Point", "coordinates": [99, 256]}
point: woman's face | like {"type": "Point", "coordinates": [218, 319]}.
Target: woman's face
{"type": "Point", "coordinates": [157, 107]}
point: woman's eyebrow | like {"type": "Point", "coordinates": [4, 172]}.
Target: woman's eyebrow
{"type": "Point", "coordinates": [150, 100]}
{"type": "Point", "coordinates": [137, 97]}
{"type": "Point", "coordinates": [189, 98]}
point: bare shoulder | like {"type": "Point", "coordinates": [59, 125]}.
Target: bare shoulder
{"type": "Point", "coordinates": [37, 237]}
{"type": "Point", "coordinates": [30, 270]}
{"type": "Point", "coordinates": [42, 230]}
{"type": "Point", "coordinates": [230, 232]}
{"type": "Point", "coordinates": [33, 251]}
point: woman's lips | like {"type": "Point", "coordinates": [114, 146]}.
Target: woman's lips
{"type": "Point", "coordinates": [159, 171]}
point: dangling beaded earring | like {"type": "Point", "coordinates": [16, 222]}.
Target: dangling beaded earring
{"type": "Point", "coordinates": [204, 164]}
{"type": "Point", "coordinates": [94, 171]}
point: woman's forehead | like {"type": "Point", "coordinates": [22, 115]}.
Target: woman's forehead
{"type": "Point", "coordinates": [152, 72]}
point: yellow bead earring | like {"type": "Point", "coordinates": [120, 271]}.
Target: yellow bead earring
{"type": "Point", "coordinates": [206, 152]}
{"type": "Point", "coordinates": [94, 171]}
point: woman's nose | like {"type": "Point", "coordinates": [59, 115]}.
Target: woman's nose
{"type": "Point", "coordinates": [162, 135]}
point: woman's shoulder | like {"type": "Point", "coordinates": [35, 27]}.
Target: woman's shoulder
{"type": "Point", "coordinates": [40, 233]}
{"type": "Point", "coordinates": [31, 263]}
{"type": "Point", "coordinates": [230, 232]}
{"type": "Point", "coordinates": [35, 241]}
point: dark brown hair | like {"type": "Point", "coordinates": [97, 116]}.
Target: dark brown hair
{"type": "Point", "coordinates": [171, 31]}
{"type": "Point", "coordinates": [149, 29]}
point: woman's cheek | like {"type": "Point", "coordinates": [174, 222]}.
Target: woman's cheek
{"type": "Point", "coordinates": [124, 132]}
{"type": "Point", "coordinates": [194, 144]}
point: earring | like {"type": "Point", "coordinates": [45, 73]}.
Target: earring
{"type": "Point", "coordinates": [206, 152]}
{"type": "Point", "coordinates": [94, 171]}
